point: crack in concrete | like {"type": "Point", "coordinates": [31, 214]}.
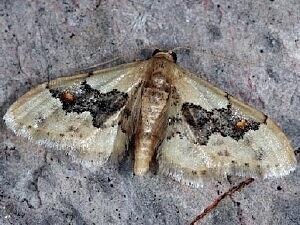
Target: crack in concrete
{"type": "Point", "coordinates": [239, 211]}
{"type": "Point", "coordinates": [35, 178]}
{"type": "Point", "coordinates": [29, 205]}
{"type": "Point", "coordinates": [72, 214]}
{"type": "Point", "coordinates": [216, 202]}
{"type": "Point", "coordinates": [44, 53]}
{"type": "Point", "coordinates": [19, 58]}
{"type": "Point", "coordinates": [237, 204]}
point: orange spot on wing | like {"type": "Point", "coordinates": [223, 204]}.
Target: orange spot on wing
{"type": "Point", "coordinates": [67, 96]}
{"type": "Point", "coordinates": [241, 124]}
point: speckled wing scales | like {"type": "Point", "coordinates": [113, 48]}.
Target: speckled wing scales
{"type": "Point", "coordinates": [211, 134]}
{"type": "Point", "coordinates": [80, 113]}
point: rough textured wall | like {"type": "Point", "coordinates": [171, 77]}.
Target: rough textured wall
{"type": "Point", "coordinates": [250, 49]}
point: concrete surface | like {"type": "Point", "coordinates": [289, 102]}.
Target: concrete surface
{"type": "Point", "coordinates": [250, 49]}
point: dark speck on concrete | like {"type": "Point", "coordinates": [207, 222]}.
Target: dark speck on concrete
{"type": "Point", "coordinates": [214, 32]}
{"type": "Point", "coordinates": [273, 44]}
{"type": "Point", "coordinates": [279, 188]}
{"type": "Point", "coordinates": [273, 74]}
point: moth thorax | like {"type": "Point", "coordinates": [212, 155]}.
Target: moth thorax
{"type": "Point", "coordinates": [160, 82]}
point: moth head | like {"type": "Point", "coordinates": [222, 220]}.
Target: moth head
{"type": "Point", "coordinates": [169, 55]}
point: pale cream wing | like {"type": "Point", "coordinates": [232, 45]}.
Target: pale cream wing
{"type": "Point", "coordinates": [212, 134]}
{"type": "Point", "coordinates": [82, 112]}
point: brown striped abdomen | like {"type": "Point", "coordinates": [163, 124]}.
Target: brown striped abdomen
{"type": "Point", "coordinates": [152, 121]}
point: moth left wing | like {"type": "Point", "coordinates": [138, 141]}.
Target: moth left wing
{"type": "Point", "coordinates": [211, 134]}
{"type": "Point", "coordinates": [81, 113]}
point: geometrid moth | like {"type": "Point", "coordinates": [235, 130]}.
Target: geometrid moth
{"type": "Point", "coordinates": [193, 129]}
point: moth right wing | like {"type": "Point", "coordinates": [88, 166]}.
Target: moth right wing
{"type": "Point", "coordinates": [211, 134]}
{"type": "Point", "coordinates": [82, 113]}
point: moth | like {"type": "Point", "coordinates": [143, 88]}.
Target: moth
{"type": "Point", "coordinates": [191, 128]}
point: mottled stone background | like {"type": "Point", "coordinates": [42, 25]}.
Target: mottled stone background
{"type": "Point", "coordinates": [249, 49]}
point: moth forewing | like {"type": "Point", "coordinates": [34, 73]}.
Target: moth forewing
{"type": "Point", "coordinates": [219, 135]}
{"type": "Point", "coordinates": [86, 120]}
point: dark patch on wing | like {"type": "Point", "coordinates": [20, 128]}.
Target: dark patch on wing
{"type": "Point", "coordinates": [173, 120]}
{"type": "Point", "coordinates": [205, 123]}
{"type": "Point", "coordinates": [86, 99]}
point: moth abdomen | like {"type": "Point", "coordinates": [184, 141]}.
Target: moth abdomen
{"type": "Point", "coordinates": [153, 117]}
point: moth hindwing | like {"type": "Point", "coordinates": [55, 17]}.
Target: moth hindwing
{"type": "Point", "coordinates": [193, 129]}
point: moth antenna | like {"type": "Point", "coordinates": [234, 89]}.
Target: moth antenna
{"type": "Point", "coordinates": [210, 53]}
{"type": "Point", "coordinates": [180, 48]}
{"type": "Point", "coordinates": [229, 59]}
{"type": "Point", "coordinates": [104, 63]}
